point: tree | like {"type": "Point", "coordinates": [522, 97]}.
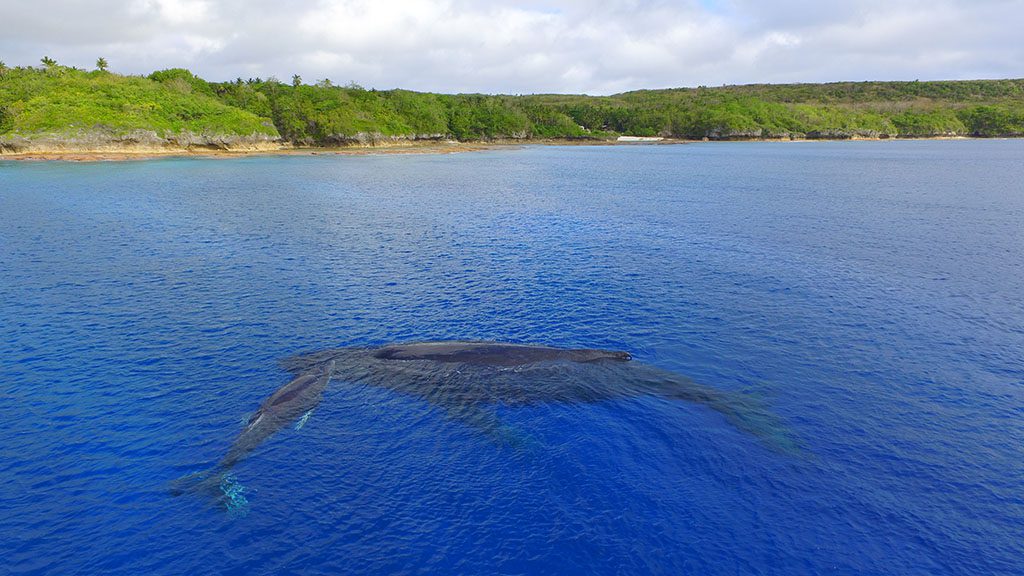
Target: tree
{"type": "Point", "coordinates": [48, 62]}
{"type": "Point", "coordinates": [296, 80]}
{"type": "Point", "coordinates": [101, 64]}
{"type": "Point", "coordinates": [3, 68]}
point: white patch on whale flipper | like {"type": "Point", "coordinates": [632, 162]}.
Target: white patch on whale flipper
{"type": "Point", "coordinates": [302, 421]}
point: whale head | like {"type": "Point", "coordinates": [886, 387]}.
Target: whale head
{"type": "Point", "coordinates": [587, 355]}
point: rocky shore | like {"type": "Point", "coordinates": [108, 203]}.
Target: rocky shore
{"type": "Point", "coordinates": [145, 142]}
{"type": "Point", "coordinates": [141, 145]}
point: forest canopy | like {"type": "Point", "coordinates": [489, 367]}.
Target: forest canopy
{"type": "Point", "coordinates": [54, 99]}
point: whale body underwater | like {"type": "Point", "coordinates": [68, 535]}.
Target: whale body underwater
{"type": "Point", "coordinates": [468, 379]}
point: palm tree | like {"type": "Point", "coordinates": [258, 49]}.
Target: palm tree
{"type": "Point", "coordinates": [48, 62]}
{"type": "Point", "coordinates": [296, 80]}
{"type": "Point", "coordinates": [101, 64]}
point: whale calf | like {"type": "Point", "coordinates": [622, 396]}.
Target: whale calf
{"type": "Point", "coordinates": [468, 379]}
{"type": "Point", "coordinates": [294, 400]}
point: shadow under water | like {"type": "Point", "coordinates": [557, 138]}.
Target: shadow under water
{"type": "Point", "coordinates": [467, 380]}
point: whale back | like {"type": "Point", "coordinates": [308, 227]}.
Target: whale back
{"type": "Point", "coordinates": [494, 353]}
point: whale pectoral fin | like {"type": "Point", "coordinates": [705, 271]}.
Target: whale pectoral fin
{"type": "Point", "coordinates": [749, 413]}
{"type": "Point", "coordinates": [477, 417]}
{"type": "Point", "coordinates": [745, 411]}
{"type": "Point", "coordinates": [302, 420]}
{"type": "Point", "coordinates": [486, 422]}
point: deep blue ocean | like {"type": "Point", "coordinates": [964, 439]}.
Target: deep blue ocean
{"type": "Point", "coordinates": [870, 293]}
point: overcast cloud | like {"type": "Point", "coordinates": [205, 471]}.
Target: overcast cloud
{"type": "Point", "coordinates": [528, 46]}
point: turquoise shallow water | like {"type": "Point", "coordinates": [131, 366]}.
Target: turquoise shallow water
{"type": "Point", "coordinates": [871, 293]}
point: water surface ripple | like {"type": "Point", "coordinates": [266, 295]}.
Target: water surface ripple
{"type": "Point", "coordinates": [872, 293]}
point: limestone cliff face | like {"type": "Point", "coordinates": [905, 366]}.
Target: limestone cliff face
{"type": "Point", "coordinates": [136, 141]}
{"type": "Point", "coordinates": [837, 134]}
{"type": "Point", "coordinates": [378, 139]}
{"type": "Point", "coordinates": [730, 134]}
{"type": "Point", "coordinates": [373, 139]}
{"type": "Point", "coordinates": [830, 134]}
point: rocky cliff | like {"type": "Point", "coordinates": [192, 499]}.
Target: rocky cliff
{"type": "Point", "coordinates": [135, 141]}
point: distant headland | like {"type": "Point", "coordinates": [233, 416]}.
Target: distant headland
{"type": "Point", "coordinates": [54, 109]}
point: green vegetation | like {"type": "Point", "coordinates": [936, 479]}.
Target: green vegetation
{"type": "Point", "coordinates": [62, 100]}
{"type": "Point", "coordinates": [66, 101]}
{"type": "Point", "coordinates": [327, 114]}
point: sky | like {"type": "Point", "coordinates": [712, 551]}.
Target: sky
{"type": "Point", "coordinates": [529, 46]}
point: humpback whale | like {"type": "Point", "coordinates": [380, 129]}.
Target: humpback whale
{"type": "Point", "coordinates": [467, 379]}
{"type": "Point", "coordinates": [295, 399]}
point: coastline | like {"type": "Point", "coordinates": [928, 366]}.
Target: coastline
{"type": "Point", "coordinates": [128, 154]}
{"type": "Point", "coordinates": [135, 153]}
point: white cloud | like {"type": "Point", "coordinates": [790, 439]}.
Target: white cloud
{"type": "Point", "coordinates": [178, 12]}
{"type": "Point", "coordinates": [528, 46]}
